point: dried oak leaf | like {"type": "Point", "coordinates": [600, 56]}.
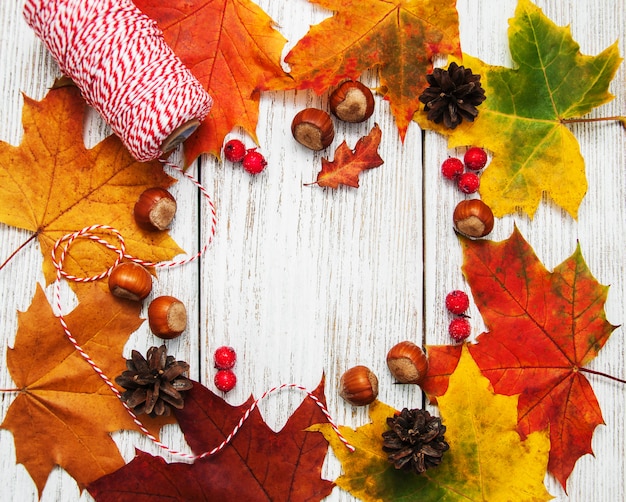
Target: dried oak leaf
{"type": "Point", "coordinates": [259, 464]}
{"type": "Point", "coordinates": [231, 47]}
{"type": "Point", "coordinates": [543, 328]}
{"type": "Point", "coordinates": [345, 168]}
{"type": "Point", "coordinates": [487, 460]}
{"type": "Point", "coordinates": [398, 38]}
{"type": "Point", "coordinates": [64, 413]}
{"type": "Point", "coordinates": [51, 184]}
{"type": "Point", "coordinates": [552, 82]}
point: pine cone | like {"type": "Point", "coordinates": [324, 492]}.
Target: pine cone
{"type": "Point", "coordinates": [154, 385]}
{"type": "Point", "coordinates": [415, 441]}
{"type": "Point", "coordinates": [453, 95]}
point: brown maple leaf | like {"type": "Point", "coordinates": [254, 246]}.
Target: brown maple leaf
{"type": "Point", "coordinates": [51, 184]}
{"type": "Point", "coordinates": [64, 413]}
{"type": "Point", "coordinates": [259, 464]}
{"type": "Point", "coordinates": [345, 168]}
{"type": "Point", "coordinates": [399, 38]}
{"type": "Point", "coordinates": [231, 47]}
{"type": "Point", "coordinates": [543, 328]}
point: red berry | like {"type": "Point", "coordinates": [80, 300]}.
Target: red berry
{"type": "Point", "coordinates": [468, 182]}
{"type": "Point", "coordinates": [475, 158]}
{"type": "Point", "coordinates": [254, 162]}
{"type": "Point", "coordinates": [225, 358]}
{"type": "Point", "coordinates": [457, 301]}
{"type": "Point", "coordinates": [451, 168]}
{"type": "Point", "coordinates": [234, 150]}
{"type": "Point", "coordinates": [459, 329]}
{"type": "Point", "coordinates": [225, 380]}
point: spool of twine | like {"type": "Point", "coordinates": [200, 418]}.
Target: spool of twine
{"type": "Point", "coordinates": [124, 69]}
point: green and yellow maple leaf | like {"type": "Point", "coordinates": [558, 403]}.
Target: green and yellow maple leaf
{"type": "Point", "coordinates": [397, 37]}
{"type": "Point", "coordinates": [487, 459]}
{"type": "Point", "coordinates": [524, 118]}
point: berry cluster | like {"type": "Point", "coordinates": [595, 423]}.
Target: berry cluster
{"type": "Point", "coordinates": [465, 173]}
{"type": "Point", "coordinates": [224, 360]}
{"type": "Point", "coordinates": [252, 161]}
{"type": "Point", "coordinates": [457, 303]}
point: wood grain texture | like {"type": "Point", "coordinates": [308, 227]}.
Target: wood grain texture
{"type": "Point", "coordinates": [305, 281]}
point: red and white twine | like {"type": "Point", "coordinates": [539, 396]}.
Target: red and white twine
{"type": "Point", "coordinates": [95, 233]}
{"type": "Point", "coordinates": [119, 60]}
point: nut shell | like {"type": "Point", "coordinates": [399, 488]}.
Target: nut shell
{"type": "Point", "coordinates": [131, 281]}
{"type": "Point", "coordinates": [359, 386]}
{"type": "Point", "coordinates": [313, 128]}
{"type": "Point", "coordinates": [352, 102]}
{"type": "Point", "coordinates": [167, 317]}
{"type": "Point", "coordinates": [407, 362]}
{"type": "Point", "coordinates": [155, 209]}
{"type": "Point", "coordinates": [473, 218]}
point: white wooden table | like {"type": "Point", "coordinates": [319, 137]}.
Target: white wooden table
{"type": "Point", "coordinates": [303, 280]}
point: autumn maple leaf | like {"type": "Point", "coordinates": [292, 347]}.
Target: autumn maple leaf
{"type": "Point", "coordinates": [399, 38]}
{"type": "Point", "coordinates": [259, 464]}
{"type": "Point", "coordinates": [64, 412]}
{"type": "Point", "coordinates": [486, 460]}
{"type": "Point", "coordinates": [523, 121]}
{"type": "Point", "coordinates": [51, 184]}
{"type": "Point", "coordinates": [543, 328]}
{"type": "Point", "coordinates": [231, 47]}
{"type": "Point", "coordinates": [345, 168]}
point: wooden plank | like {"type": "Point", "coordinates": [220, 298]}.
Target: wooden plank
{"type": "Point", "coordinates": [305, 281]}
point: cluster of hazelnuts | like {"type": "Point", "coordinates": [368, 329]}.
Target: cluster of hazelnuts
{"type": "Point", "coordinates": [406, 361]}
{"type": "Point", "coordinates": [167, 316]}
{"type": "Point", "coordinates": [351, 102]}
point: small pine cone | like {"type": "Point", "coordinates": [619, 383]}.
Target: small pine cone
{"type": "Point", "coordinates": [415, 441]}
{"type": "Point", "coordinates": [154, 384]}
{"type": "Point", "coordinates": [453, 95]}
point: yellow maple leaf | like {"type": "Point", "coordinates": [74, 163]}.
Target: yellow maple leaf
{"type": "Point", "coordinates": [51, 184]}
{"type": "Point", "coordinates": [487, 460]}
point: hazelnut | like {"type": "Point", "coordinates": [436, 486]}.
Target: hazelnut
{"type": "Point", "coordinates": [313, 128]}
{"type": "Point", "coordinates": [359, 386]}
{"type": "Point", "coordinates": [155, 209]}
{"type": "Point", "coordinates": [167, 317]}
{"type": "Point", "coordinates": [473, 218]}
{"type": "Point", "coordinates": [131, 281]}
{"type": "Point", "coordinates": [407, 362]}
{"type": "Point", "coordinates": [352, 102]}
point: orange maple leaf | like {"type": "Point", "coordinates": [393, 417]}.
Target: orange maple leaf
{"type": "Point", "coordinates": [348, 164]}
{"type": "Point", "coordinates": [400, 38]}
{"type": "Point", "coordinates": [231, 47]}
{"type": "Point", "coordinates": [544, 327]}
{"type": "Point", "coordinates": [64, 413]}
{"type": "Point", "coordinates": [51, 184]}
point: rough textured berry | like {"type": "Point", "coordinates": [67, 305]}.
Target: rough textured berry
{"type": "Point", "coordinates": [254, 162]}
{"type": "Point", "coordinates": [224, 358]}
{"type": "Point", "coordinates": [234, 150]}
{"type": "Point", "coordinates": [459, 329]}
{"type": "Point", "coordinates": [225, 380]}
{"type": "Point", "coordinates": [451, 168]}
{"type": "Point", "coordinates": [468, 182]}
{"type": "Point", "coordinates": [457, 301]}
{"type": "Point", "coordinates": [475, 158]}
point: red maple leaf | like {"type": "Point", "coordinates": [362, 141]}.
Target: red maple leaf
{"type": "Point", "coordinates": [348, 164]}
{"type": "Point", "coordinates": [543, 328]}
{"type": "Point", "coordinates": [258, 464]}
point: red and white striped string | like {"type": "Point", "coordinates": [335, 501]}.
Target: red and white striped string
{"type": "Point", "coordinates": [123, 67]}
{"type": "Point", "coordinates": [94, 233]}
